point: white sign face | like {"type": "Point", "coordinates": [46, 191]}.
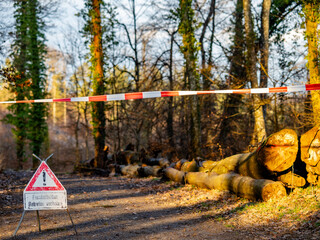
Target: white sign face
{"type": "Point", "coordinates": [44, 191]}
{"type": "Point", "coordinates": [45, 200]}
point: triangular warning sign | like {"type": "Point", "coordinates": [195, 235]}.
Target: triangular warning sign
{"type": "Point", "coordinates": [44, 180]}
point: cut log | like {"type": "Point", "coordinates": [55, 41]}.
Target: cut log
{"type": "Point", "coordinates": [129, 170]}
{"type": "Point", "coordinates": [207, 166]}
{"type": "Point", "coordinates": [150, 171]}
{"type": "Point", "coordinates": [279, 151]}
{"type": "Point", "coordinates": [310, 154]}
{"type": "Point", "coordinates": [162, 162]}
{"type": "Point", "coordinates": [191, 166]}
{"type": "Point", "coordinates": [313, 179]}
{"type": "Point", "coordinates": [245, 164]}
{"type": "Point", "coordinates": [229, 164]}
{"type": "Point", "coordinates": [275, 155]}
{"type": "Point", "coordinates": [246, 187]}
{"type": "Point", "coordinates": [292, 180]}
{"type": "Point", "coordinates": [179, 164]}
{"type": "Point", "coordinates": [174, 175]}
{"type": "Point", "coordinates": [252, 168]}
{"type": "Point", "coordinates": [310, 147]}
{"type": "Point", "coordinates": [314, 170]}
{"type": "Point", "coordinates": [199, 179]}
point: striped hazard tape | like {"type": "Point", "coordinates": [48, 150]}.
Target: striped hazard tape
{"type": "Point", "coordinates": [158, 94]}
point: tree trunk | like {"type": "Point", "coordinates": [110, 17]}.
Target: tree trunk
{"type": "Point", "coordinates": [98, 115]}
{"type": "Point", "coordinates": [205, 70]}
{"type": "Point", "coordinates": [170, 130]}
{"type": "Point", "coordinates": [189, 50]}
{"type": "Point", "coordinates": [264, 50]}
{"type": "Point", "coordinates": [237, 79]}
{"type": "Point", "coordinates": [311, 12]}
{"type": "Point", "coordinates": [135, 49]}
{"type": "Point", "coordinates": [259, 124]}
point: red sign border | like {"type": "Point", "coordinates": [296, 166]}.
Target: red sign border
{"type": "Point", "coordinates": [44, 166]}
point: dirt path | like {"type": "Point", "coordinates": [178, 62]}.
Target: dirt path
{"type": "Point", "coordinates": [123, 208]}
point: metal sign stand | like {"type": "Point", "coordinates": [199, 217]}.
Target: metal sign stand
{"type": "Point", "coordinates": [38, 217]}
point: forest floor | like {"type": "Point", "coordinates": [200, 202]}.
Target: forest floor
{"type": "Point", "coordinates": [125, 208]}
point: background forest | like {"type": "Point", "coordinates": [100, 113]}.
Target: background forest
{"type": "Point", "coordinates": [59, 49]}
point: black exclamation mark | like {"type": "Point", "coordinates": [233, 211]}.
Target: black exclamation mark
{"type": "Point", "coordinates": [44, 178]}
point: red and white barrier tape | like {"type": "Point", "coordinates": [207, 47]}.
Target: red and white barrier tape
{"type": "Point", "coordinates": [157, 94]}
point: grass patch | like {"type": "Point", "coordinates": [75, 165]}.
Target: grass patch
{"type": "Point", "coordinates": [296, 207]}
{"type": "Point", "coordinates": [317, 224]}
{"type": "Point", "coordinates": [229, 225]}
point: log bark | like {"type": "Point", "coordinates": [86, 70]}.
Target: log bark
{"type": "Point", "coordinates": [191, 166]}
{"type": "Point", "coordinates": [162, 162]}
{"type": "Point", "coordinates": [174, 175]}
{"type": "Point", "coordinates": [292, 180]}
{"type": "Point", "coordinates": [150, 171]}
{"type": "Point", "coordinates": [179, 164]}
{"type": "Point", "coordinates": [200, 179]}
{"type": "Point", "coordinates": [244, 164]}
{"type": "Point", "coordinates": [130, 170]}
{"type": "Point", "coordinates": [310, 147]}
{"type": "Point", "coordinates": [275, 155]}
{"type": "Point", "coordinates": [310, 154]}
{"type": "Point", "coordinates": [279, 151]}
{"type": "Point", "coordinates": [207, 166]}
{"type": "Point", "coordinates": [246, 187]}
{"type": "Point", "coordinates": [313, 179]}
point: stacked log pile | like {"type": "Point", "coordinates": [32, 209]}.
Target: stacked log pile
{"type": "Point", "coordinates": [272, 160]}
{"type": "Point", "coordinates": [278, 163]}
{"type": "Point", "coordinates": [261, 174]}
